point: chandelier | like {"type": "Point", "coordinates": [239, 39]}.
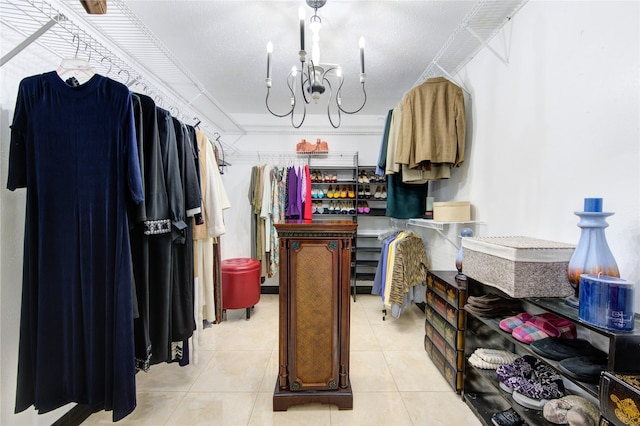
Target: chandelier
{"type": "Point", "coordinates": [315, 77]}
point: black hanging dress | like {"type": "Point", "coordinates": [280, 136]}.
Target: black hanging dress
{"type": "Point", "coordinates": [74, 149]}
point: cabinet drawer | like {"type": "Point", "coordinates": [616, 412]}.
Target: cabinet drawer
{"type": "Point", "coordinates": [437, 358]}
{"type": "Point", "coordinates": [454, 357]}
{"type": "Point", "coordinates": [453, 315]}
{"type": "Point", "coordinates": [620, 398]}
{"type": "Point", "coordinates": [453, 377]}
{"type": "Point", "coordinates": [428, 345]}
{"type": "Point", "coordinates": [445, 285]}
{"type": "Point", "coordinates": [435, 323]}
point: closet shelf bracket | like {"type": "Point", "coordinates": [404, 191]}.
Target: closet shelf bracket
{"type": "Point", "coordinates": [450, 77]}
{"type": "Point", "coordinates": [439, 227]}
{"type": "Point", "coordinates": [484, 43]}
{"type": "Point", "coordinates": [33, 37]}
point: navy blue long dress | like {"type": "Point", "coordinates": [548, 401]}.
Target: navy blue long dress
{"type": "Point", "coordinates": [74, 149]}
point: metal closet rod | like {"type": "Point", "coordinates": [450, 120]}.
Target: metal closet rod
{"type": "Point", "coordinates": [80, 36]}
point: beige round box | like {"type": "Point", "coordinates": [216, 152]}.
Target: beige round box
{"type": "Point", "coordinates": [452, 211]}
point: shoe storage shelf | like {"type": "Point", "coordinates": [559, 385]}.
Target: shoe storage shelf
{"type": "Point", "coordinates": [333, 192]}
{"type": "Point", "coordinates": [371, 202]}
{"type": "Point", "coordinates": [444, 325]}
{"type": "Point", "coordinates": [481, 390]}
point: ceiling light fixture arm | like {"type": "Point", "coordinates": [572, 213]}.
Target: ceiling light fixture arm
{"type": "Point", "coordinates": [290, 85]}
{"type": "Point", "coordinates": [364, 101]}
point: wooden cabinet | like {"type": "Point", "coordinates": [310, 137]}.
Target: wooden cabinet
{"type": "Point", "coordinates": [315, 276]}
{"type": "Point", "coordinates": [444, 325]}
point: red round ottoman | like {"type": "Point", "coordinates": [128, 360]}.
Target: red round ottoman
{"type": "Point", "coordinates": [240, 283]}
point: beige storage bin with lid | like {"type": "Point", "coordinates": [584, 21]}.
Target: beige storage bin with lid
{"type": "Point", "coordinates": [452, 211]}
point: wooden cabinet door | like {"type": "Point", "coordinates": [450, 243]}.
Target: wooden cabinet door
{"type": "Point", "coordinates": [314, 335]}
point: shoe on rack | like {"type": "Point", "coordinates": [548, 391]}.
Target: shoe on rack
{"type": "Point", "coordinates": [314, 209]}
{"type": "Point", "coordinates": [334, 178]}
{"type": "Point", "coordinates": [365, 179]}
{"type": "Point", "coordinates": [383, 193]}
{"type": "Point", "coordinates": [520, 368]}
{"type": "Point", "coordinates": [366, 208]}
{"type": "Point", "coordinates": [528, 402]}
{"type": "Point", "coordinates": [352, 207]}
{"type": "Point", "coordinates": [329, 193]}
{"type": "Point", "coordinates": [558, 348]}
{"type": "Point", "coordinates": [367, 191]}
{"type": "Point", "coordinates": [344, 209]}
{"type": "Point", "coordinates": [343, 192]}
{"type": "Point", "coordinates": [360, 207]}
{"type": "Point", "coordinates": [351, 193]}
{"type": "Point", "coordinates": [330, 208]}
{"type": "Point", "coordinates": [378, 193]}
{"type": "Point", "coordinates": [507, 418]}
{"type": "Point", "coordinates": [538, 327]}
{"type": "Point", "coordinates": [320, 207]}
{"type": "Point", "coordinates": [327, 178]}
{"type": "Point", "coordinates": [584, 368]}
{"type": "Point", "coordinates": [360, 191]}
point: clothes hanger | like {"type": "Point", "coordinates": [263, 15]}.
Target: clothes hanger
{"type": "Point", "coordinates": [75, 71]}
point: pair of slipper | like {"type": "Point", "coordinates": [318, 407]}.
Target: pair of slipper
{"type": "Point", "coordinates": [490, 359]}
{"type": "Point", "coordinates": [573, 410]}
{"type": "Point", "coordinates": [528, 328]}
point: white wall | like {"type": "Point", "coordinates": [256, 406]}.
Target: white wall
{"type": "Point", "coordinates": [557, 124]}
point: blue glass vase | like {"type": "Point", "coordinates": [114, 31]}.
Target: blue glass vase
{"type": "Point", "coordinates": [592, 254]}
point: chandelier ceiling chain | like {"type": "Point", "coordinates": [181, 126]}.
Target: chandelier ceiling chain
{"type": "Point", "coordinates": [315, 77]}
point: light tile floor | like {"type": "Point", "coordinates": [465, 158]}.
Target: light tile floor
{"type": "Point", "coordinates": [233, 374]}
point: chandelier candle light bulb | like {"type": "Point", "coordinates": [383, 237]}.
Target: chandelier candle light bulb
{"type": "Point", "coordinates": [301, 16]}
{"type": "Point", "coordinates": [361, 44]}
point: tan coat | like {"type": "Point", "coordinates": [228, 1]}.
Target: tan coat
{"type": "Point", "coordinates": [432, 125]}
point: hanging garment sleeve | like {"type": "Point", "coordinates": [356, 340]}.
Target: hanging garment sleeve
{"type": "Point", "coordinates": [171, 170]}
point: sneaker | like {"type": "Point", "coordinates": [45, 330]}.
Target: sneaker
{"type": "Point", "coordinates": [525, 401]}
{"type": "Point", "coordinates": [521, 367]}
{"type": "Point", "coordinates": [543, 383]}
{"type": "Point", "coordinates": [507, 418]}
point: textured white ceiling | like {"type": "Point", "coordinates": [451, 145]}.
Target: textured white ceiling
{"type": "Point", "coordinates": [208, 58]}
{"type": "Point", "coordinates": [223, 43]}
